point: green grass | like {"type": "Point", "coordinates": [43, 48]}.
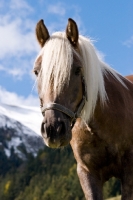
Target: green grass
{"type": "Point", "coordinates": [115, 198]}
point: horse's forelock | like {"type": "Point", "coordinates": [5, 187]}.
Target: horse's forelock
{"type": "Point", "coordinates": [57, 59]}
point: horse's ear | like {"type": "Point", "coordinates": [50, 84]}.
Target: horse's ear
{"type": "Point", "coordinates": [72, 32]}
{"type": "Point", "coordinates": [42, 33]}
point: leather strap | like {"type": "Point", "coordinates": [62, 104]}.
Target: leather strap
{"type": "Point", "coordinates": [56, 106]}
{"type": "Point", "coordinates": [71, 114]}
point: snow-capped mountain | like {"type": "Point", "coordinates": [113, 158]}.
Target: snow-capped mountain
{"type": "Point", "coordinates": [27, 115]}
{"type": "Point", "coordinates": [19, 129]}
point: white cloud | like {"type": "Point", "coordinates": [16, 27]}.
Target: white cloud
{"type": "Point", "coordinates": [58, 9]}
{"type": "Point", "coordinates": [1, 68]}
{"type": "Point", "coordinates": [18, 45]}
{"type": "Point", "coordinates": [16, 72]}
{"type": "Point", "coordinates": [16, 40]}
{"type": "Point", "coordinates": [18, 67]}
{"type": "Point", "coordinates": [129, 42]}
{"type": "Point", "coordinates": [19, 5]}
{"type": "Point", "coordinates": [12, 98]}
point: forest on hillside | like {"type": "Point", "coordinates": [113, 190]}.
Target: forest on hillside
{"type": "Point", "coordinates": [50, 175]}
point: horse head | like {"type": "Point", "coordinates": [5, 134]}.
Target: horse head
{"type": "Point", "coordinates": [61, 86]}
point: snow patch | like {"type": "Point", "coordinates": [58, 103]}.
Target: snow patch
{"type": "Point", "coordinates": [28, 116]}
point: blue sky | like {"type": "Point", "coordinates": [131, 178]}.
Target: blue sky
{"type": "Point", "coordinates": [109, 23]}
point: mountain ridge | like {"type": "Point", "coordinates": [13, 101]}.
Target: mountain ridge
{"type": "Point", "coordinates": [27, 115]}
{"type": "Point", "coordinates": [17, 134]}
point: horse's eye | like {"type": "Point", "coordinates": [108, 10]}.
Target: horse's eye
{"type": "Point", "coordinates": [36, 72]}
{"type": "Point", "coordinates": [77, 71]}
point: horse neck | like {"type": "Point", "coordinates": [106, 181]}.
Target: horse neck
{"type": "Point", "coordinates": [117, 105]}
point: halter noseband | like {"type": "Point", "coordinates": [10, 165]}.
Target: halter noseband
{"type": "Point", "coordinates": [66, 111]}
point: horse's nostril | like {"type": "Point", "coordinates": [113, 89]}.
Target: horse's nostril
{"type": "Point", "coordinates": [59, 128]}
{"type": "Point", "coordinates": [52, 130]}
{"type": "Point", "coordinates": [43, 129]}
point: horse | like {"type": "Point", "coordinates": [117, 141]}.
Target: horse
{"type": "Point", "coordinates": [88, 104]}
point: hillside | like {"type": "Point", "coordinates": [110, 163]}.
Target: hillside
{"type": "Point", "coordinates": [50, 175]}
{"type": "Point", "coordinates": [16, 136]}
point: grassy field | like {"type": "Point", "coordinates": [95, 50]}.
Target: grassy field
{"type": "Point", "coordinates": [115, 198]}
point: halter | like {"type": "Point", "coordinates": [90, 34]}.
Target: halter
{"type": "Point", "coordinates": [66, 111]}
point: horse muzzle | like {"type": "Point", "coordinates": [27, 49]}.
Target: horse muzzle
{"type": "Point", "coordinates": [56, 129]}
